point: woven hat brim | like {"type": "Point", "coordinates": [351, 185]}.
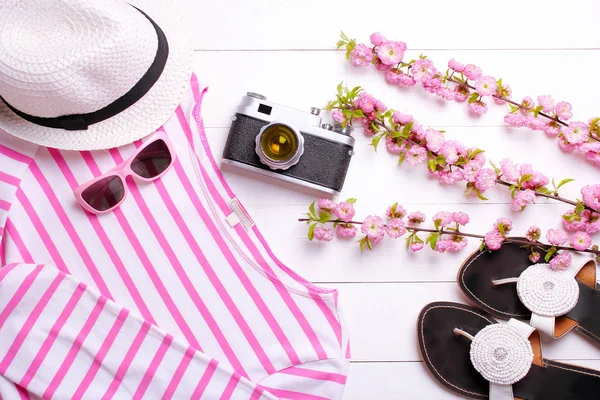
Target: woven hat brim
{"type": "Point", "coordinates": [139, 120]}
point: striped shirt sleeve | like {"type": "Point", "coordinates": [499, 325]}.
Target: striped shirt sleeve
{"type": "Point", "coordinates": [15, 157]}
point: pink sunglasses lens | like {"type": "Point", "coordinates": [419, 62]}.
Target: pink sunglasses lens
{"type": "Point", "coordinates": [153, 160]}
{"type": "Point", "coordinates": [104, 194]}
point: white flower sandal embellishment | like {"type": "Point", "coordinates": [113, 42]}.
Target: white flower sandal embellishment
{"type": "Point", "coordinates": [502, 354]}
{"type": "Point", "coordinates": [547, 293]}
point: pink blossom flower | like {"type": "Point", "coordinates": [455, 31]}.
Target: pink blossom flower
{"type": "Point", "coordinates": [391, 53]}
{"type": "Point", "coordinates": [372, 226]}
{"type": "Point", "coordinates": [338, 115]}
{"type": "Point", "coordinates": [561, 262]}
{"type": "Point", "coordinates": [397, 212]}
{"type": "Point", "coordinates": [381, 66]}
{"type": "Point", "coordinates": [510, 171]}
{"type": "Point", "coordinates": [537, 180]}
{"type": "Point", "coordinates": [460, 94]}
{"type": "Point", "coordinates": [557, 237]}
{"type": "Point", "coordinates": [591, 196]}
{"type": "Point", "coordinates": [522, 199]}
{"type": "Point", "coordinates": [392, 145]}
{"type": "Point", "coordinates": [535, 123]}
{"type": "Point", "coordinates": [593, 157]}
{"type": "Point", "coordinates": [416, 218]}
{"type": "Point", "coordinates": [533, 234]}
{"type": "Point", "coordinates": [515, 120]}
{"type": "Point", "coordinates": [443, 218]}
{"type": "Point", "coordinates": [534, 257]}
{"type": "Point", "coordinates": [581, 241]}
{"type": "Point", "coordinates": [416, 155]}
{"type": "Point", "coordinates": [485, 179]}
{"type": "Point", "coordinates": [455, 65]}
{"type": "Point", "coordinates": [393, 76]}
{"type": "Point", "coordinates": [365, 102]}
{"type": "Point", "coordinates": [577, 132]}
{"type": "Point", "coordinates": [552, 130]}
{"type": "Point", "coordinates": [460, 218]}
{"type": "Point", "coordinates": [486, 85]}
{"type": "Point", "coordinates": [478, 107]}
{"type": "Point", "coordinates": [402, 119]}
{"type": "Point", "coordinates": [435, 140]}
{"type": "Point", "coordinates": [432, 85]}
{"type": "Point", "coordinates": [361, 56]}
{"type": "Point", "coordinates": [449, 178]}
{"type": "Point", "coordinates": [470, 170]}
{"type": "Point", "coordinates": [503, 225]}
{"type": "Point", "coordinates": [527, 104]}
{"type": "Point", "coordinates": [575, 225]}
{"type": "Point", "coordinates": [503, 92]}
{"type": "Point", "coordinates": [378, 238]}
{"type": "Point", "coordinates": [446, 94]}
{"type": "Point", "coordinates": [395, 228]}
{"type": "Point", "coordinates": [416, 246]}
{"type": "Point", "coordinates": [377, 39]}
{"type": "Point", "coordinates": [565, 145]}
{"type": "Point", "coordinates": [547, 103]}
{"type": "Point", "coordinates": [423, 70]}
{"type": "Point", "coordinates": [346, 231]}
{"type": "Point", "coordinates": [563, 110]}
{"type": "Point", "coordinates": [472, 72]}
{"type": "Point", "coordinates": [493, 240]}
{"type": "Point", "coordinates": [406, 80]}
{"type": "Point", "coordinates": [326, 205]}
{"type": "Point", "coordinates": [450, 152]}
{"type": "Point", "coordinates": [344, 211]}
{"type": "Point", "coordinates": [323, 234]}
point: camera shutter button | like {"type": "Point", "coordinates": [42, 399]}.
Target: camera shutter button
{"type": "Point", "coordinates": [315, 110]}
{"type": "Point", "coordinates": [256, 95]}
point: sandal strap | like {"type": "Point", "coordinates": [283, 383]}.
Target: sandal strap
{"type": "Point", "coordinates": [543, 324]}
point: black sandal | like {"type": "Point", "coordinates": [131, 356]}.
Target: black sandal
{"type": "Point", "coordinates": [506, 285]}
{"type": "Point", "coordinates": [475, 357]}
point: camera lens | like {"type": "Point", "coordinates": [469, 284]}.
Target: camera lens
{"type": "Point", "coordinates": [279, 146]}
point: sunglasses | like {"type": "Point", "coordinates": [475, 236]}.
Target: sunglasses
{"type": "Point", "coordinates": [105, 193]}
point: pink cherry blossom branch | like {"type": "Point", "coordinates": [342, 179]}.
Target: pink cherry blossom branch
{"type": "Point", "coordinates": [445, 236]}
{"type": "Point", "coordinates": [452, 162]}
{"type": "Point", "coordinates": [467, 83]}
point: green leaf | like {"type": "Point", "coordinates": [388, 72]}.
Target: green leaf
{"type": "Point", "coordinates": [311, 232]}
{"type": "Point", "coordinates": [432, 164]}
{"type": "Point", "coordinates": [362, 244]}
{"type": "Point", "coordinates": [402, 157]}
{"type": "Point", "coordinates": [496, 169]}
{"type": "Point", "coordinates": [564, 182]}
{"type": "Point", "coordinates": [502, 230]}
{"type": "Point", "coordinates": [500, 82]}
{"type": "Point", "coordinates": [526, 178]}
{"type": "Point", "coordinates": [343, 36]}
{"type": "Point", "coordinates": [549, 253]}
{"type": "Point", "coordinates": [375, 141]}
{"type": "Point", "coordinates": [543, 190]}
{"type": "Point", "coordinates": [407, 128]}
{"type": "Point", "coordinates": [369, 243]}
{"type": "Point", "coordinates": [340, 44]}
{"type": "Point", "coordinates": [536, 111]}
{"type": "Point", "coordinates": [473, 97]}
{"type": "Point", "coordinates": [312, 210]}
{"type": "Point", "coordinates": [393, 208]}
{"type": "Point", "coordinates": [514, 109]}
{"type": "Point", "coordinates": [432, 240]}
{"type": "Point", "coordinates": [579, 208]}
{"type": "Point", "coordinates": [351, 200]}
{"type": "Point", "coordinates": [324, 217]}
{"type": "Point", "coordinates": [479, 194]}
{"type": "Point", "coordinates": [335, 224]}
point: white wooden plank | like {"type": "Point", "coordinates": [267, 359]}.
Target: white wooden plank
{"type": "Point", "coordinates": [404, 381]}
{"type": "Point", "coordinates": [309, 78]}
{"type": "Point", "coordinates": [382, 320]}
{"type": "Point", "coordinates": [314, 24]}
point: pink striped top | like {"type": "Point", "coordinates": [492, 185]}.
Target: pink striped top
{"type": "Point", "coordinates": [169, 255]}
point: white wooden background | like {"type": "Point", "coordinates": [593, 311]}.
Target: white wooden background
{"type": "Point", "coordinates": [284, 49]}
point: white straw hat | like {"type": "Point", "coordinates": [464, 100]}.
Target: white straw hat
{"type": "Point", "coordinates": [90, 74]}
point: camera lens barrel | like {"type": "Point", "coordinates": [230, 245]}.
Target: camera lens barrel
{"type": "Point", "coordinates": [279, 146]}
